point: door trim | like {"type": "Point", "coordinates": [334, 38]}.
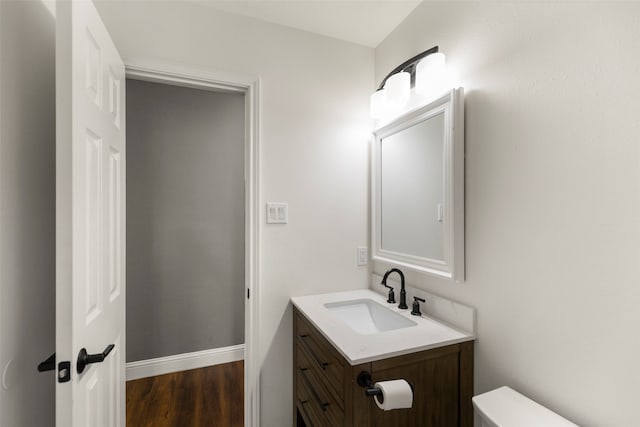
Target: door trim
{"type": "Point", "coordinates": [189, 76]}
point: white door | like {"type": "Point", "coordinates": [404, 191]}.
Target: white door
{"type": "Point", "coordinates": [90, 220]}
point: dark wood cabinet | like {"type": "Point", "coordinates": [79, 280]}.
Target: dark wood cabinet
{"type": "Point", "coordinates": [326, 392]}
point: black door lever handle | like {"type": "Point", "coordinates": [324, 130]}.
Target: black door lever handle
{"type": "Point", "coordinates": [48, 365]}
{"type": "Point", "coordinates": [85, 358]}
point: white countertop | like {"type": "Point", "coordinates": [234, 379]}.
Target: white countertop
{"type": "Point", "coordinates": [358, 348]}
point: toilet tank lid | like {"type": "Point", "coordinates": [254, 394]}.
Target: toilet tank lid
{"type": "Point", "coordinates": [505, 407]}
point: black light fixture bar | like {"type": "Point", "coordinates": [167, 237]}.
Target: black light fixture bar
{"type": "Point", "coordinates": [409, 65]}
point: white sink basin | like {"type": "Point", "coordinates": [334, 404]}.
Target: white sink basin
{"type": "Point", "coordinates": [366, 316]}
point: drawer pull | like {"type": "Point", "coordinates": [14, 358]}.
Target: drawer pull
{"type": "Point", "coordinates": [322, 405]}
{"type": "Point", "coordinates": [321, 364]}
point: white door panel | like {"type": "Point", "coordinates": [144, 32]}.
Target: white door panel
{"type": "Point", "coordinates": [90, 217]}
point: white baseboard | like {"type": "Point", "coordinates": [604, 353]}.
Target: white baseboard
{"type": "Point", "coordinates": [183, 362]}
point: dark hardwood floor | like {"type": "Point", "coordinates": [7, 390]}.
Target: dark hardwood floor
{"type": "Point", "coordinates": [207, 397]}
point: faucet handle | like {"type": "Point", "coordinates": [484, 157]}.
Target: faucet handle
{"type": "Point", "coordinates": [416, 306]}
{"type": "Point", "coordinates": [391, 299]}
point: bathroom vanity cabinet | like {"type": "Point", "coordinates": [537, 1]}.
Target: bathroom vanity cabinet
{"type": "Point", "coordinates": [326, 392]}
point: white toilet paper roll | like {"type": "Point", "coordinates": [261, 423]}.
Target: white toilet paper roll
{"type": "Point", "coordinates": [396, 394]}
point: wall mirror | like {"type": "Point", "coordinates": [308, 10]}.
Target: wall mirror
{"type": "Point", "coordinates": [418, 189]}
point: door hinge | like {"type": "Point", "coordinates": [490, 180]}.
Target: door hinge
{"type": "Point", "coordinates": [64, 372]}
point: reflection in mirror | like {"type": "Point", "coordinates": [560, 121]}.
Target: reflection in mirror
{"type": "Point", "coordinates": [418, 189]}
{"type": "Point", "coordinates": [412, 190]}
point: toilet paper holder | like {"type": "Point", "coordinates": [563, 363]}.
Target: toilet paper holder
{"type": "Point", "coordinates": [364, 380]}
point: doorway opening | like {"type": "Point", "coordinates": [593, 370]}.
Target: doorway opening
{"type": "Point", "coordinates": [192, 233]}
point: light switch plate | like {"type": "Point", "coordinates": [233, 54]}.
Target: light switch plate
{"type": "Point", "coordinates": [277, 213]}
{"type": "Point", "coordinates": [363, 256]}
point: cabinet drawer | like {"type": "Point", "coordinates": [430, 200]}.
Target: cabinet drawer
{"type": "Point", "coordinates": [321, 356]}
{"type": "Point", "coordinates": [315, 402]}
{"type": "Point", "coordinates": [312, 415]}
{"type": "Point", "coordinates": [316, 377]}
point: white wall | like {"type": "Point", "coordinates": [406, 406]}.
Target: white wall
{"type": "Point", "coordinates": [552, 194]}
{"type": "Point", "coordinates": [27, 213]}
{"type": "Point", "coordinates": [314, 147]}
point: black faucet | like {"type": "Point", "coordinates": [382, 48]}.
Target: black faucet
{"type": "Point", "coordinates": [403, 292]}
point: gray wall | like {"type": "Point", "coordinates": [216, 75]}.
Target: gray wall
{"type": "Point", "coordinates": [185, 220]}
{"type": "Point", "coordinates": [27, 212]}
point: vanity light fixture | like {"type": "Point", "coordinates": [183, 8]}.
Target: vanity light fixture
{"type": "Point", "coordinates": [425, 72]}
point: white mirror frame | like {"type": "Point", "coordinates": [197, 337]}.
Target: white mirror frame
{"type": "Point", "coordinates": [452, 268]}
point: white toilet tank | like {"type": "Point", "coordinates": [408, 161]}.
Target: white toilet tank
{"type": "Point", "coordinates": [505, 407]}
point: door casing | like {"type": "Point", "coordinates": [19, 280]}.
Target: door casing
{"type": "Point", "coordinates": [187, 76]}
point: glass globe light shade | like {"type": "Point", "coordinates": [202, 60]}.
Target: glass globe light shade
{"type": "Point", "coordinates": [430, 74]}
{"type": "Point", "coordinates": [378, 104]}
{"type": "Point", "coordinates": [398, 88]}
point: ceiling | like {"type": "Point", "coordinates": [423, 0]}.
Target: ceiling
{"type": "Point", "coordinates": [365, 22]}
